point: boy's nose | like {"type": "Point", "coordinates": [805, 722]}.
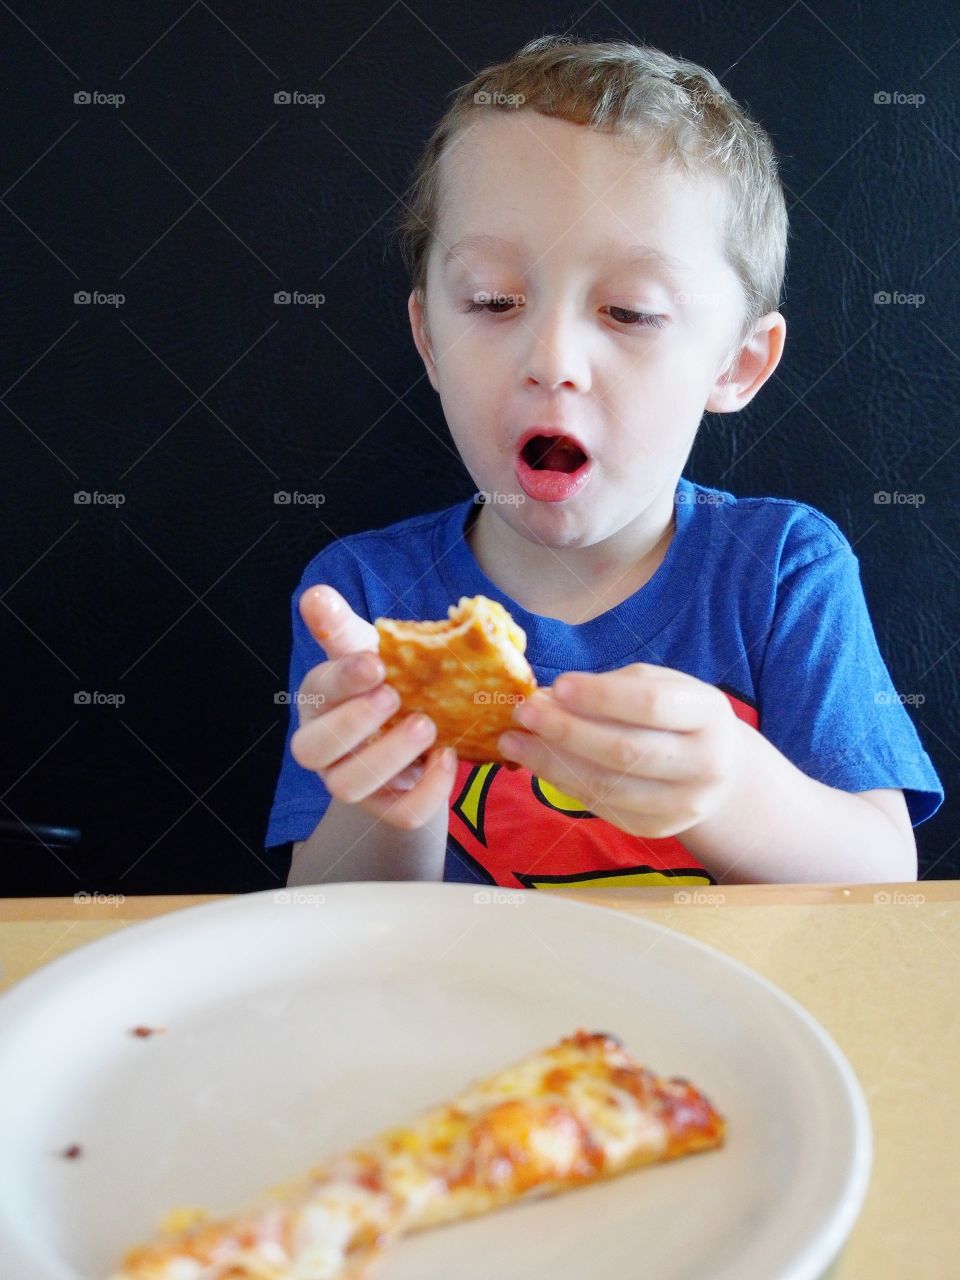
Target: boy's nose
{"type": "Point", "coordinates": [557, 360]}
{"type": "Point", "coordinates": [549, 384]}
{"type": "Point", "coordinates": [555, 349]}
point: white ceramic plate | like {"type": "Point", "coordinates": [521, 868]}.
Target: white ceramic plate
{"type": "Point", "coordinates": [301, 1021]}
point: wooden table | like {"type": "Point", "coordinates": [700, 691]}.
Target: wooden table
{"type": "Point", "coordinates": [877, 965]}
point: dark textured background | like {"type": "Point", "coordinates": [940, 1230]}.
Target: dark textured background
{"type": "Point", "coordinates": [198, 398]}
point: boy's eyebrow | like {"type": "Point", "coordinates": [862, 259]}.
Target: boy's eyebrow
{"type": "Point", "coordinates": [643, 255]}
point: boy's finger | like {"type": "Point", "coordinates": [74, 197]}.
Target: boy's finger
{"type": "Point", "coordinates": [356, 777]}
{"type": "Point", "coordinates": [329, 683]}
{"type": "Point", "coordinates": [333, 624]}
{"type": "Point", "coordinates": [332, 735]}
{"type": "Point", "coordinates": [414, 808]}
{"type": "Point", "coordinates": [635, 697]}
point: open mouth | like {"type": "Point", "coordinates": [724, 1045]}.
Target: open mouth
{"type": "Point", "coordinates": [553, 453]}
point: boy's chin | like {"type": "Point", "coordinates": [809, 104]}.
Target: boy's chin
{"type": "Point", "coordinates": [552, 524]}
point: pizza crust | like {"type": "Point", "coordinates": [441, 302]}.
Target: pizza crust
{"type": "Point", "coordinates": [466, 673]}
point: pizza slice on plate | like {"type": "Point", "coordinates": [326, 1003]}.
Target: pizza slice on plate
{"type": "Point", "coordinates": [564, 1117]}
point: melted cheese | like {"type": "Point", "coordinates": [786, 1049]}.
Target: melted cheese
{"type": "Point", "coordinates": [580, 1110]}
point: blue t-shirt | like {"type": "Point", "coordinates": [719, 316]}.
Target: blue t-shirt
{"type": "Point", "coordinates": [760, 597]}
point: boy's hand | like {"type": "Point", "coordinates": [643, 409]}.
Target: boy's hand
{"type": "Point", "coordinates": [342, 702]}
{"type": "Point", "coordinates": [649, 749]}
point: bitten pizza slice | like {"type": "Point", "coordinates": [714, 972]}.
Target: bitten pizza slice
{"type": "Point", "coordinates": [466, 672]}
{"type": "Point", "coordinates": [564, 1117]}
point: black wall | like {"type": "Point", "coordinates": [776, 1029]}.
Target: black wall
{"type": "Point", "coordinates": [198, 398]}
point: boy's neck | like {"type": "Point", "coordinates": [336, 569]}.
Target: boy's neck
{"type": "Point", "coordinates": [573, 585]}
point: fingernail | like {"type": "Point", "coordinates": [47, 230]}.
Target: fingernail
{"type": "Point", "coordinates": [449, 758]}
{"type": "Point", "coordinates": [509, 743]}
{"type": "Point", "coordinates": [368, 667]}
{"type": "Point", "coordinates": [527, 713]}
{"type": "Point", "coordinates": [323, 595]}
{"type": "Point", "coordinates": [563, 688]}
{"type": "Point", "coordinates": [384, 698]}
{"type": "Point", "coordinates": [420, 728]}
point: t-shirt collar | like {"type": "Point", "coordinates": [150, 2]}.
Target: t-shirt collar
{"type": "Point", "coordinates": [620, 634]}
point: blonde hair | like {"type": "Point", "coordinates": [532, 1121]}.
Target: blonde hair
{"type": "Point", "coordinates": [644, 94]}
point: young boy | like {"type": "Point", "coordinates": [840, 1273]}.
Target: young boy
{"type": "Point", "coordinates": [597, 239]}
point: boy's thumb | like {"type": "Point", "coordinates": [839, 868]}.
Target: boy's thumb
{"type": "Point", "coordinates": [334, 625]}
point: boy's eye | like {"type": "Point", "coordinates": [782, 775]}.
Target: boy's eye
{"type": "Point", "coordinates": [623, 316]}
{"type": "Point", "coordinates": [496, 306]}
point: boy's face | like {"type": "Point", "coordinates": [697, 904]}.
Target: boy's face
{"type": "Point", "coordinates": [571, 356]}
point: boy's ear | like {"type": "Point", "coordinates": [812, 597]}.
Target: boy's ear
{"type": "Point", "coordinates": [421, 335]}
{"type": "Point", "coordinates": [749, 369]}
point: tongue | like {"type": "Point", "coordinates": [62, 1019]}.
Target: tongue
{"type": "Point", "coordinates": [561, 457]}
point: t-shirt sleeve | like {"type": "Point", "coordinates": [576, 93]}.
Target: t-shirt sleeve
{"type": "Point", "coordinates": [826, 698]}
{"type": "Point", "coordinates": [301, 799]}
